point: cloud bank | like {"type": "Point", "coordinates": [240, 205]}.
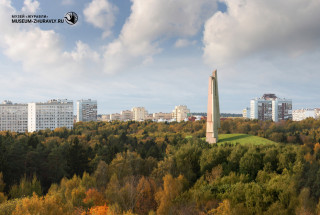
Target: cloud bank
{"type": "Point", "coordinates": [250, 44]}
{"type": "Point", "coordinates": [151, 22]}
{"type": "Point", "coordinates": [250, 27]}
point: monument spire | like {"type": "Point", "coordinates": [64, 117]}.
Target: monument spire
{"type": "Point", "coordinates": [213, 112]}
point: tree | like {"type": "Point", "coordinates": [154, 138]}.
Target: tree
{"type": "Point", "coordinates": [187, 160]}
{"type": "Point", "coordinates": [77, 158]}
{"type": "Point", "coordinates": [146, 190]}
{"type": "Point", "coordinates": [172, 188]}
{"type": "Point", "coordinates": [41, 205]}
{"type": "Point", "coordinates": [102, 175]}
{"type": "Point", "coordinates": [94, 198]}
{"type": "Point", "coordinates": [251, 163]}
{"type": "Point", "coordinates": [2, 184]}
{"type": "Point", "coordinates": [224, 208]}
{"type": "Point", "coordinates": [26, 188]}
{"type": "Point", "coordinates": [98, 210]}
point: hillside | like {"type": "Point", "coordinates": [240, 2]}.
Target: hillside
{"type": "Point", "coordinates": [243, 139]}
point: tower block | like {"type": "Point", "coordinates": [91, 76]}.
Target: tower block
{"type": "Point", "coordinates": [213, 112]}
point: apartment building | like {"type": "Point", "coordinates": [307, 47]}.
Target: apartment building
{"type": "Point", "coordinates": [270, 107]}
{"type": "Point", "coordinates": [52, 114]}
{"type": "Point", "coordinates": [86, 110]}
{"type": "Point", "coordinates": [246, 113]}
{"type": "Point", "coordinates": [301, 114]}
{"type": "Point", "coordinates": [139, 113]}
{"type": "Point", "coordinates": [180, 113]}
{"type": "Point", "coordinates": [162, 116]}
{"type": "Point", "coordinates": [13, 117]}
{"type": "Point", "coordinates": [126, 115]}
{"type": "Point", "coordinates": [115, 116]}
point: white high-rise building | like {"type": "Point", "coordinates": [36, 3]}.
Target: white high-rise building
{"type": "Point", "coordinates": [139, 113]}
{"type": "Point", "coordinates": [52, 114]}
{"type": "Point", "coordinates": [86, 110]}
{"type": "Point", "coordinates": [180, 113]}
{"type": "Point", "coordinates": [270, 107]}
{"type": "Point", "coordinates": [13, 117]}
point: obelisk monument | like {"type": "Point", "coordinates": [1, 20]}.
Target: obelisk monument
{"type": "Point", "coordinates": [213, 113]}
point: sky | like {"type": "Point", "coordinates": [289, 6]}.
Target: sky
{"type": "Point", "coordinates": [160, 53]}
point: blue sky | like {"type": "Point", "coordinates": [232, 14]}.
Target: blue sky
{"type": "Point", "coordinates": [160, 53]}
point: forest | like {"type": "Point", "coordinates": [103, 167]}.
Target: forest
{"type": "Point", "coordinates": [153, 168]}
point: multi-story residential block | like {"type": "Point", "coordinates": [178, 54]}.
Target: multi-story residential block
{"type": "Point", "coordinates": [126, 115]}
{"type": "Point", "coordinates": [139, 113]}
{"type": "Point", "coordinates": [246, 113]}
{"type": "Point", "coordinates": [180, 113]}
{"type": "Point", "coordinates": [162, 116]}
{"type": "Point", "coordinates": [281, 109]}
{"type": "Point", "coordinates": [13, 117]}
{"type": "Point", "coordinates": [52, 114]}
{"type": "Point", "coordinates": [115, 116]}
{"type": "Point", "coordinates": [86, 110]}
{"type": "Point", "coordinates": [149, 117]}
{"type": "Point", "coordinates": [301, 114]}
{"type": "Point", "coordinates": [105, 117]}
{"type": "Point", "coordinates": [270, 107]}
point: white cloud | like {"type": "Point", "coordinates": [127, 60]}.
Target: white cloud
{"type": "Point", "coordinates": [253, 27]}
{"type": "Point", "coordinates": [150, 23]}
{"type": "Point", "coordinates": [30, 6]}
{"type": "Point", "coordinates": [83, 52]}
{"type": "Point", "coordinates": [101, 13]}
{"type": "Point", "coordinates": [41, 51]}
{"type": "Point", "coordinates": [180, 43]}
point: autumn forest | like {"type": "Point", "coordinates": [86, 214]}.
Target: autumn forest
{"type": "Point", "coordinates": [153, 168]}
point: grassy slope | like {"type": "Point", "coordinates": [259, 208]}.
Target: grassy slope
{"type": "Point", "coordinates": [243, 139]}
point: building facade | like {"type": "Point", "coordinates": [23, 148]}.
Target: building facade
{"type": "Point", "coordinates": [104, 118]}
{"type": "Point", "coordinates": [270, 107]}
{"type": "Point", "coordinates": [162, 116]}
{"type": "Point", "coordinates": [50, 115]}
{"type": "Point", "coordinates": [139, 113]}
{"type": "Point", "coordinates": [126, 115]}
{"type": "Point", "coordinates": [246, 113]}
{"type": "Point", "coordinates": [301, 114]}
{"type": "Point", "coordinates": [13, 117]}
{"type": "Point", "coordinates": [87, 110]}
{"type": "Point", "coordinates": [115, 116]}
{"type": "Point", "coordinates": [180, 113]}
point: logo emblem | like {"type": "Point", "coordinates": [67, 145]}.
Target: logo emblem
{"type": "Point", "coordinates": [71, 18]}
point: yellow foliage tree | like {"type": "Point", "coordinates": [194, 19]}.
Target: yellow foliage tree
{"type": "Point", "coordinates": [165, 197]}
{"type": "Point", "coordinates": [222, 209]}
{"type": "Point", "coordinates": [41, 205]}
{"type": "Point", "coordinates": [145, 201]}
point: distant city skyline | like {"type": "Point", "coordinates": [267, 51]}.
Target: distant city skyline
{"type": "Point", "coordinates": [118, 110]}
{"type": "Point", "coordinates": [159, 54]}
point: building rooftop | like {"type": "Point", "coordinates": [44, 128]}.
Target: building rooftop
{"type": "Point", "coordinates": [269, 96]}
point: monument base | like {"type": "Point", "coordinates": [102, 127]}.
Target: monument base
{"type": "Point", "coordinates": [211, 140]}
